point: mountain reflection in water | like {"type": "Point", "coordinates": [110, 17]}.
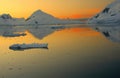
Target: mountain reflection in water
{"type": "Point", "coordinates": [38, 31]}
{"type": "Point", "coordinates": [110, 32]}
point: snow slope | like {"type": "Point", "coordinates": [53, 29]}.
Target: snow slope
{"type": "Point", "coordinates": [110, 15]}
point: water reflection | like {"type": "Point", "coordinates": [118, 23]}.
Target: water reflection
{"type": "Point", "coordinates": [38, 31]}
{"type": "Point", "coordinates": [110, 32]}
{"type": "Point", "coordinates": [73, 53]}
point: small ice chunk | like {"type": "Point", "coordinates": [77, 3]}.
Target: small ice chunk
{"type": "Point", "coordinates": [28, 46]}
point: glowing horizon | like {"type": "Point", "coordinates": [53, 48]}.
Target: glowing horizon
{"type": "Point", "coordinates": [58, 8]}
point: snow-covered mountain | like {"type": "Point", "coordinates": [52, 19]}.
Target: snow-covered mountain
{"type": "Point", "coordinates": [110, 15]}
{"type": "Point", "coordinates": [40, 17]}
{"type": "Point", "coordinates": [37, 18]}
{"type": "Point", "coordinates": [6, 19]}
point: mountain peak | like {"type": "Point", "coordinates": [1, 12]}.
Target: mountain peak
{"type": "Point", "coordinates": [39, 12]}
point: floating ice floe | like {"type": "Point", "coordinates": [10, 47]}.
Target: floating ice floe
{"type": "Point", "coordinates": [28, 46]}
{"type": "Point", "coordinates": [8, 34]}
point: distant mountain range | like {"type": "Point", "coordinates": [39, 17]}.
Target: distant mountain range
{"type": "Point", "coordinates": [110, 15]}
{"type": "Point", "coordinates": [37, 18]}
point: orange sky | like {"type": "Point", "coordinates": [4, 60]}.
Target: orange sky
{"type": "Point", "coordinates": [58, 8]}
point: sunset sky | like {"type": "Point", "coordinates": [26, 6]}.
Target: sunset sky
{"type": "Point", "coordinates": [57, 8]}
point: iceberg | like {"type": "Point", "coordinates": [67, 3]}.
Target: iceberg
{"type": "Point", "coordinates": [109, 16]}
{"type": "Point", "coordinates": [28, 46]}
